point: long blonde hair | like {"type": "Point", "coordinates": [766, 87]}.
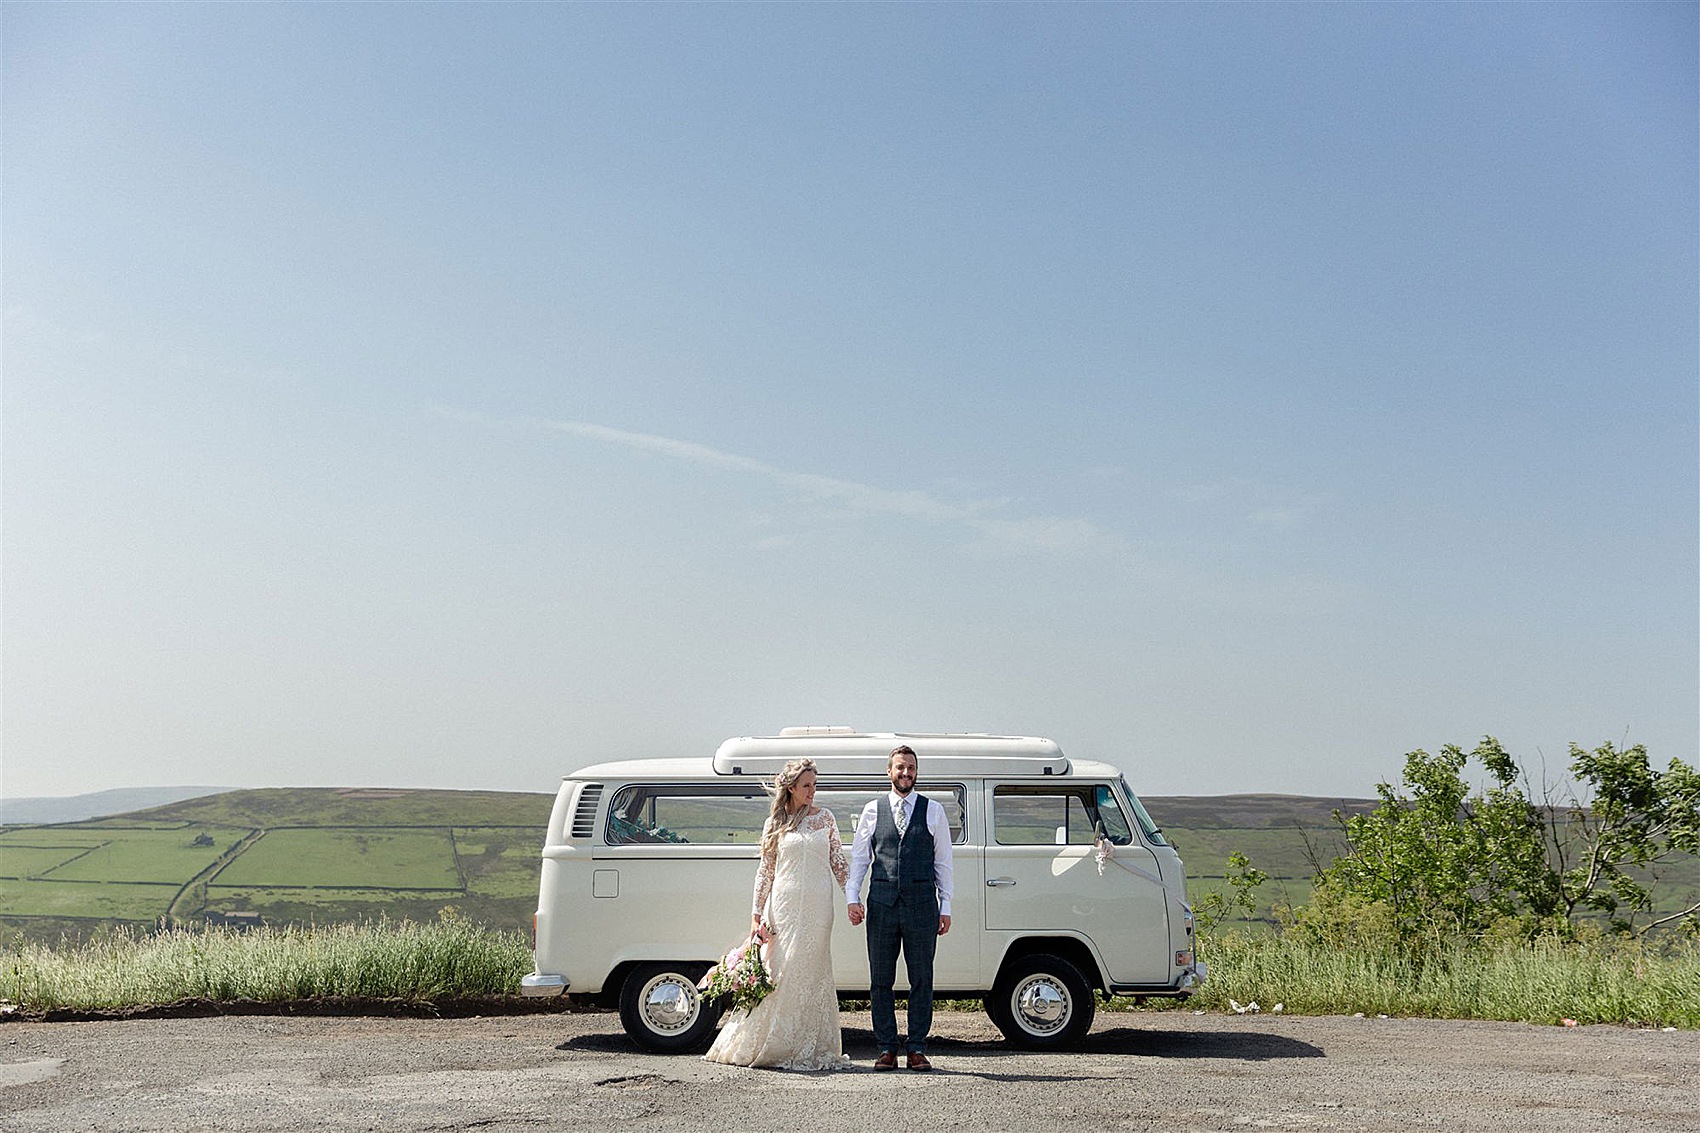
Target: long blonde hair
{"type": "Point", "coordinates": [783, 817]}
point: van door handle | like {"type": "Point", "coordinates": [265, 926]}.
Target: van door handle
{"type": "Point", "coordinates": [999, 882]}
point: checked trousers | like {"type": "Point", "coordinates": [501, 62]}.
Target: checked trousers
{"type": "Point", "coordinates": [911, 926]}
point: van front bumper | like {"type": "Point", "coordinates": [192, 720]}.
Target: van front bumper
{"type": "Point", "coordinates": [541, 985]}
{"type": "Point", "coordinates": [1191, 976]}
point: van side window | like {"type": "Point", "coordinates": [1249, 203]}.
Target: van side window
{"type": "Point", "coordinates": [1057, 816]}
{"type": "Point", "coordinates": [1110, 815]}
{"type": "Point", "coordinates": [847, 800]}
{"type": "Point", "coordinates": [705, 814]}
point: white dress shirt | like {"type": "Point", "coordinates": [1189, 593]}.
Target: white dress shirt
{"type": "Point", "coordinates": [862, 849]}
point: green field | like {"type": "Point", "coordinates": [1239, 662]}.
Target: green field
{"type": "Point", "coordinates": [308, 856]}
{"type": "Point", "coordinates": [23, 901]}
{"type": "Point", "coordinates": [18, 863]}
{"type": "Point", "coordinates": [149, 856]}
{"type": "Point", "coordinates": [500, 861]}
{"type": "Point", "coordinates": [101, 873]}
{"type": "Point", "coordinates": [362, 858]}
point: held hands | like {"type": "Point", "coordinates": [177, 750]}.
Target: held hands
{"type": "Point", "coordinates": [857, 913]}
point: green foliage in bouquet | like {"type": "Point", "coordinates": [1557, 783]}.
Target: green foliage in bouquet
{"type": "Point", "coordinates": [740, 976]}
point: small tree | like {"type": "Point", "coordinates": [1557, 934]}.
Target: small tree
{"type": "Point", "coordinates": [1444, 861]}
{"type": "Point", "coordinates": [1635, 820]}
{"type": "Point", "coordinates": [1243, 882]}
{"type": "Point", "coordinates": [1441, 861]}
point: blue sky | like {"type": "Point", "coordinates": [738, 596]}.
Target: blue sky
{"type": "Point", "coordinates": [453, 395]}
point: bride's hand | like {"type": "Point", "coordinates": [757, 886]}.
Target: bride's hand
{"type": "Point", "coordinates": [759, 930]}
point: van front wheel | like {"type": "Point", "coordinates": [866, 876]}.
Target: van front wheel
{"type": "Point", "coordinates": [662, 1010]}
{"type": "Point", "coordinates": [1042, 1001]}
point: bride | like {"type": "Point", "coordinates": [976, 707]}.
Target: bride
{"type": "Point", "coordinates": [796, 1026]}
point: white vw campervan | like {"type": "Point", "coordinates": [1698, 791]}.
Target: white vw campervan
{"type": "Point", "coordinates": [1064, 885]}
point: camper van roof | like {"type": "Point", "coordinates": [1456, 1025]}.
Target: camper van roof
{"type": "Point", "coordinates": [840, 751]}
{"type": "Point", "coordinates": [844, 752]}
{"type": "Point", "coordinates": [934, 769]}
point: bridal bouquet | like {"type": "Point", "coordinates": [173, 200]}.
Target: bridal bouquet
{"type": "Point", "coordinates": [741, 974]}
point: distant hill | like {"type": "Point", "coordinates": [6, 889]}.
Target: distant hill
{"type": "Point", "coordinates": [1251, 812]}
{"type": "Point", "coordinates": [357, 806]}
{"type": "Point", "coordinates": [80, 808]}
{"type": "Point", "coordinates": [327, 855]}
{"type": "Point", "coordinates": [340, 806]}
{"type": "Point", "coordinates": [1286, 836]}
{"type": "Point", "coordinates": [320, 854]}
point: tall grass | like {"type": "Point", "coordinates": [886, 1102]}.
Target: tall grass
{"type": "Point", "coordinates": [382, 960]}
{"type": "Point", "coordinates": [1546, 981]}
{"type": "Point", "coordinates": [1600, 981]}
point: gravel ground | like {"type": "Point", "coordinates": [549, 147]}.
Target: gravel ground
{"type": "Point", "coordinates": [1171, 1070]}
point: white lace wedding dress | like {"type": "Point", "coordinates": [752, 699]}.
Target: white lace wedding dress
{"type": "Point", "coordinates": [796, 1026]}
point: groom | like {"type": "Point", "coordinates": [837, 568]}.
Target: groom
{"type": "Point", "coordinates": [903, 839]}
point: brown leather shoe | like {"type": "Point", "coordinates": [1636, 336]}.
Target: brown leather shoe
{"type": "Point", "coordinates": [918, 1061]}
{"type": "Point", "coordinates": [886, 1061]}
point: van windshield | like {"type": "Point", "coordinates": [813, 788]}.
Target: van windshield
{"type": "Point", "coordinates": [1153, 832]}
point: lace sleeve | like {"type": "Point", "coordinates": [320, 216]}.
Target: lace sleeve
{"type": "Point", "coordinates": [764, 874]}
{"type": "Point", "coordinates": [836, 857]}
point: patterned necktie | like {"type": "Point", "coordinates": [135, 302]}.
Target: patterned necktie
{"type": "Point", "coordinates": [902, 815]}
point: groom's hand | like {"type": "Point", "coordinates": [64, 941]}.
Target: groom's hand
{"type": "Point", "coordinates": [944, 923]}
{"type": "Point", "coordinates": [856, 913]}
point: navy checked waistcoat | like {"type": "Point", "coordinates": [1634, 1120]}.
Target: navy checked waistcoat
{"type": "Point", "coordinates": [901, 860]}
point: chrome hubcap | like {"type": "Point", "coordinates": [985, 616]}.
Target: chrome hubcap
{"type": "Point", "coordinates": [1041, 1004]}
{"type": "Point", "coordinates": [669, 1003]}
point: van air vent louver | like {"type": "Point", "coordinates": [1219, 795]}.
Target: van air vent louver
{"type": "Point", "coordinates": [584, 815]}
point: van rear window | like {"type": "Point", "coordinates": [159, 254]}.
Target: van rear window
{"type": "Point", "coordinates": [697, 814]}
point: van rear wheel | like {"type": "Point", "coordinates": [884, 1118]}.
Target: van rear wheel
{"type": "Point", "coordinates": [662, 1010]}
{"type": "Point", "coordinates": [1041, 1001]}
